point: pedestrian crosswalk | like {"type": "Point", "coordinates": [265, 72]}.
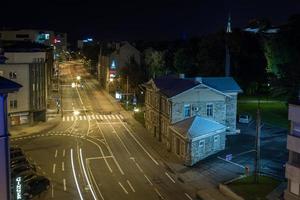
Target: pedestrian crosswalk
{"type": "Point", "coordinates": [92, 117]}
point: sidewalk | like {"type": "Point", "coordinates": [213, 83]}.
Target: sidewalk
{"type": "Point", "coordinates": [193, 182]}
{"type": "Point", "coordinates": [27, 129]}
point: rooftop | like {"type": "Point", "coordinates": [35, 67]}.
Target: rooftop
{"type": "Point", "coordinates": [8, 86]}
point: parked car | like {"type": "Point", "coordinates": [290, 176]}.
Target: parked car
{"type": "Point", "coordinates": [16, 153]}
{"type": "Point", "coordinates": [35, 186]}
{"type": "Point", "coordinates": [245, 119]}
{"type": "Point", "coordinates": [21, 168]}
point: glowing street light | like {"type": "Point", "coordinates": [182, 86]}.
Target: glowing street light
{"type": "Point", "coordinates": [73, 85]}
{"type": "Point", "coordinates": [78, 78]}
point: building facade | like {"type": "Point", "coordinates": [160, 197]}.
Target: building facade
{"type": "Point", "coordinates": [29, 69]}
{"type": "Point", "coordinates": [172, 102]}
{"type": "Point", "coordinates": [292, 172]}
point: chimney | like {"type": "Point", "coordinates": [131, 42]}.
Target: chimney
{"type": "Point", "coordinates": [181, 76]}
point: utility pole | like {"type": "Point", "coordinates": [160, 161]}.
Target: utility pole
{"type": "Point", "coordinates": [257, 144]}
{"type": "Point", "coordinates": [127, 93]}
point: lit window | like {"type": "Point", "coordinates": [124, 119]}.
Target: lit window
{"type": "Point", "coordinates": [13, 104]}
{"type": "Point", "coordinates": [209, 110]}
{"type": "Point", "coordinates": [187, 110]}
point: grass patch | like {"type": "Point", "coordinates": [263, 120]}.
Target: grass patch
{"type": "Point", "coordinates": [275, 112]}
{"type": "Point", "coordinates": [246, 188]}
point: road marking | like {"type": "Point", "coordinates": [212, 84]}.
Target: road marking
{"type": "Point", "coordinates": [123, 187]}
{"type": "Point", "coordinates": [148, 179]}
{"type": "Point", "coordinates": [93, 116]}
{"type": "Point", "coordinates": [84, 117]}
{"type": "Point", "coordinates": [113, 117]}
{"type": "Point", "coordinates": [89, 118]}
{"type": "Point", "coordinates": [80, 117]}
{"type": "Point", "coordinates": [72, 119]}
{"type": "Point", "coordinates": [121, 116]}
{"type": "Point", "coordinates": [74, 174]}
{"type": "Point", "coordinates": [156, 190]}
{"type": "Point", "coordinates": [97, 117]}
{"type": "Point", "coordinates": [169, 177]}
{"type": "Point", "coordinates": [86, 177]}
{"type": "Point", "coordinates": [93, 179]}
{"type": "Point", "coordinates": [98, 158]}
{"type": "Point", "coordinates": [76, 118]}
{"type": "Point", "coordinates": [53, 170]}
{"type": "Point", "coordinates": [64, 119]}
{"type": "Point", "coordinates": [188, 196]}
{"type": "Point", "coordinates": [65, 185]}
{"type": "Point", "coordinates": [63, 166]}
{"type": "Point", "coordinates": [39, 168]}
{"type": "Point", "coordinates": [67, 118]}
{"type": "Point", "coordinates": [108, 116]}
{"type": "Point", "coordinates": [55, 153]}
{"type": "Point", "coordinates": [241, 166]}
{"type": "Point", "coordinates": [64, 153]}
{"type": "Point", "coordinates": [52, 191]}
{"type": "Point", "coordinates": [130, 186]}
{"type": "Point", "coordinates": [139, 167]}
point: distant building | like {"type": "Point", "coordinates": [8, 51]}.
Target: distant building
{"type": "Point", "coordinates": [292, 171]}
{"type": "Point", "coordinates": [191, 116]}
{"type": "Point", "coordinates": [28, 65]}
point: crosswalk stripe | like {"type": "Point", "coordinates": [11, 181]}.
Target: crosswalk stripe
{"type": "Point", "coordinates": [97, 117]}
{"type": "Point", "coordinates": [93, 116]}
{"type": "Point", "coordinates": [80, 117]}
{"type": "Point", "coordinates": [104, 116]}
{"type": "Point", "coordinates": [76, 118]}
{"type": "Point", "coordinates": [64, 119]}
{"type": "Point", "coordinates": [72, 119]}
{"type": "Point", "coordinates": [108, 116]}
{"type": "Point", "coordinates": [84, 117]}
{"type": "Point", "coordinates": [67, 118]}
{"type": "Point", "coordinates": [121, 116]}
{"type": "Point", "coordinates": [101, 117]}
{"type": "Point", "coordinates": [117, 116]}
{"type": "Point", "coordinates": [89, 117]}
{"type": "Point", "coordinates": [113, 117]}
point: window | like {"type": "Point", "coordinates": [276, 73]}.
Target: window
{"type": "Point", "coordinates": [294, 188]}
{"type": "Point", "coordinates": [216, 145]}
{"type": "Point", "coordinates": [187, 110]}
{"type": "Point", "coordinates": [201, 147]}
{"type": "Point", "coordinates": [13, 104]}
{"type": "Point", "coordinates": [12, 75]}
{"type": "Point", "coordinates": [209, 110]}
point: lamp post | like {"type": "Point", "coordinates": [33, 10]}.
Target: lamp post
{"type": "Point", "coordinates": [6, 86]}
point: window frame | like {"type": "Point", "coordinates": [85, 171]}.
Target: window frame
{"type": "Point", "coordinates": [210, 110]}
{"type": "Point", "coordinates": [189, 110]}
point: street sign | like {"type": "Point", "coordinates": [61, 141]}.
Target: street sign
{"type": "Point", "coordinates": [229, 157]}
{"type": "Point", "coordinates": [18, 188]}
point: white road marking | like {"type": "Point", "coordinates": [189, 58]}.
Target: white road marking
{"type": "Point", "coordinates": [93, 179]}
{"type": "Point", "coordinates": [93, 116]}
{"type": "Point", "coordinates": [76, 118]}
{"type": "Point", "coordinates": [169, 177]}
{"type": "Point", "coordinates": [72, 118]}
{"type": "Point", "coordinates": [123, 188]}
{"type": "Point", "coordinates": [130, 186]}
{"type": "Point", "coordinates": [188, 196]}
{"type": "Point", "coordinates": [101, 117]}
{"type": "Point", "coordinates": [86, 177]}
{"type": "Point", "coordinates": [156, 190]}
{"type": "Point", "coordinates": [108, 116]}
{"type": "Point", "coordinates": [121, 116]}
{"type": "Point", "coordinates": [89, 118]}
{"type": "Point", "coordinates": [55, 155]}
{"type": "Point", "coordinates": [139, 167]}
{"type": "Point", "coordinates": [53, 169]}
{"type": "Point", "coordinates": [64, 153]}
{"type": "Point", "coordinates": [97, 158]}
{"type": "Point", "coordinates": [67, 118]}
{"type": "Point", "coordinates": [113, 117]}
{"type": "Point", "coordinates": [64, 119]}
{"type": "Point", "coordinates": [63, 166]}
{"type": "Point", "coordinates": [148, 179]}
{"type": "Point", "coordinates": [74, 174]}
{"type": "Point", "coordinates": [84, 117]}
{"type": "Point", "coordinates": [97, 117]}
{"type": "Point", "coordinates": [52, 191]}
{"type": "Point", "coordinates": [65, 185]}
{"type": "Point", "coordinates": [80, 117]}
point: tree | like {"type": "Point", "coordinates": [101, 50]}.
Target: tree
{"type": "Point", "coordinates": [155, 62]}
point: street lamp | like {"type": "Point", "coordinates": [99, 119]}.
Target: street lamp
{"type": "Point", "coordinates": [78, 78]}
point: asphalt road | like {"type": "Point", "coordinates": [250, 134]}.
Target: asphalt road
{"type": "Point", "coordinates": [93, 153]}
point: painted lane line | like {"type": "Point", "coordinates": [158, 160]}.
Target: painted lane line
{"type": "Point", "coordinates": [156, 190]}
{"type": "Point", "coordinates": [188, 196]}
{"type": "Point", "coordinates": [98, 158]}
{"type": "Point", "coordinates": [63, 166]}
{"type": "Point", "coordinates": [64, 153]}
{"type": "Point", "coordinates": [104, 116]}
{"type": "Point", "coordinates": [108, 116]}
{"type": "Point", "coordinates": [74, 174]}
{"type": "Point", "coordinates": [86, 177]}
{"type": "Point", "coordinates": [123, 187]}
{"type": "Point", "coordinates": [130, 186]}
{"type": "Point", "coordinates": [52, 191]}
{"type": "Point", "coordinates": [39, 168]}
{"type": "Point", "coordinates": [67, 118]}
{"type": "Point", "coordinates": [55, 155]}
{"type": "Point", "coordinates": [148, 179]}
{"type": "Point", "coordinates": [93, 179]}
{"type": "Point", "coordinates": [97, 117]}
{"type": "Point", "coordinates": [53, 170]}
{"type": "Point", "coordinates": [169, 177]}
{"type": "Point", "coordinates": [101, 117]}
{"type": "Point", "coordinates": [139, 167]}
{"type": "Point", "coordinates": [80, 117]}
{"type": "Point", "coordinates": [65, 185]}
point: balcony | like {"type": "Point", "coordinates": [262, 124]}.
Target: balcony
{"type": "Point", "coordinates": [293, 143]}
{"type": "Point", "coordinates": [294, 112]}
{"type": "Point", "coordinates": [292, 172]}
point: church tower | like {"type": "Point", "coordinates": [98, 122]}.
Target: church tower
{"type": "Point", "coordinates": [227, 54]}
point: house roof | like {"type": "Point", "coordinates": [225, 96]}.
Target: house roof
{"type": "Point", "coordinates": [197, 126]}
{"type": "Point", "coordinates": [171, 85]}
{"type": "Point", "coordinates": [223, 84]}
{"type": "Point", "coordinates": [8, 86]}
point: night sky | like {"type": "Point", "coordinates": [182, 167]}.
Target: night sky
{"type": "Point", "coordinates": [134, 20]}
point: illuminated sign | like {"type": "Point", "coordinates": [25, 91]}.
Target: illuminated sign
{"type": "Point", "coordinates": [118, 95]}
{"type": "Point", "coordinates": [18, 188]}
{"type": "Point", "coordinates": [113, 64]}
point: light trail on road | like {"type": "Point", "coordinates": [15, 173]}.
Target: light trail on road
{"type": "Point", "coordinates": [74, 174]}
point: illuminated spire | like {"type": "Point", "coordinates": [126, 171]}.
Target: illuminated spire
{"type": "Point", "coordinates": [228, 29]}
